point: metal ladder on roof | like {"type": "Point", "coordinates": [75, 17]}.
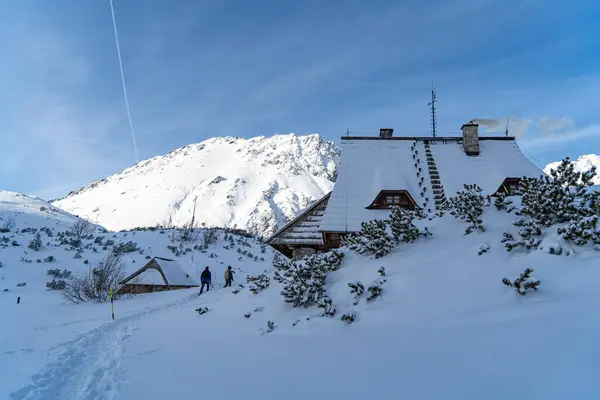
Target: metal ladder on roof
{"type": "Point", "coordinates": [421, 178]}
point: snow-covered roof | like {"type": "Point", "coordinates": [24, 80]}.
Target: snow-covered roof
{"type": "Point", "coordinates": [369, 165]}
{"type": "Point", "coordinates": [498, 160]}
{"type": "Point", "coordinates": [160, 272]}
{"type": "Point", "coordinates": [175, 275]}
{"type": "Point", "coordinates": [304, 229]}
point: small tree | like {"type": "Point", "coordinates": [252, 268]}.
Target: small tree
{"type": "Point", "coordinates": [80, 229]}
{"type": "Point", "coordinates": [523, 283]}
{"type": "Point", "coordinates": [8, 225]}
{"type": "Point", "coordinates": [258, 283]}
{"type": "Point", "coordinates": [95, 283]}
{"type": "Point", "coordinates": [36, 243]}
{"type": "Point", "coordinates": [502, 203]}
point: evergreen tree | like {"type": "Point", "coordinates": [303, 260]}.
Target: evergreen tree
{"type": "Point", "coordinates": [503, 204]}
{"type": "Point", "coordinates": [372, 239]}
{"type": "Point", "coordinates": [36, 243]}
{"type": "Point", "coordinates": [402, 227]}
{"type": "Point", "coordinates": [530, 233]}
{"type": "Point", "coordinates": [468, 205]}
{"type": "Point", "coordinates": [581, 231]}
{"type": "Point", "coordinates": [304, 280]}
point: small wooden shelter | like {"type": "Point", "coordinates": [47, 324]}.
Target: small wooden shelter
{"type": "Point", "coordinates": [159, 274]}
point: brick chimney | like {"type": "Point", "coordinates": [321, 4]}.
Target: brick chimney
{"type": "Point", "coordinates": [470, 139]}
{"type": "Point", "coordinates": [385, 133]}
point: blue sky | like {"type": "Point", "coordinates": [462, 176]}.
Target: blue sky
{"type": "Point", "coordinates": [198, 69]}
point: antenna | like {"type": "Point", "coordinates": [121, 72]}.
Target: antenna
{"type": "Point", "coordinates": [432, 104]}
{"type": "Point", "coordinates": [507, 122]}
{"type": "Point", "coordinates": [348, 132]}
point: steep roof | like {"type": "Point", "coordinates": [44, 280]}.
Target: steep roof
{"type": "Point", "coordinates": [498, 160]}
{"type": "Point", "coordinates": [160, 272]}
{"type": "Point", "coordinates": [304, 229]}
{"type": "Point", "coordinates": [369, 165]}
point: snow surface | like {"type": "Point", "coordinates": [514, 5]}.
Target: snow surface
{"type": "Point", "coordinates": [150, 276]}
{"type": "Point", "coordinates": [253, 184]}
{"type": "Point", "coordinates": [445, 327]}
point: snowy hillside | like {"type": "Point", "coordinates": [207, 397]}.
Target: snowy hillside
{"type": "Point", "coordinates": [433, 320]}
{"type": "Point", "coordinates": [583, 163]}
{"type": "Point", "coordinates": [253, 184]}
{"type": "Point", "coordinates": [443, 316]}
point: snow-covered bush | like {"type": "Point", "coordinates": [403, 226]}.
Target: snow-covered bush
{"type": "Point", "coordinates": [381, 271]}
{"type": "Point", "coordinates": [327, 305]}
{"type": "Point", "coordinates": [57, 273]}
{"type": "Point", "coordinates": [304, 280]}
{"type": "Point", "coordinates": [523, 283]}
{"type": "Point", "coordinates": [49, 259]}
{"type": "Point", "coordinates": [94, 284]}
{"type": "Point", "coordinates": [372, 239]}
{"type": "Point", "coordinates": [202, 310]}
{"type": "Point", "coordinates": [123, 248]}
{"type": "Point", "coordinates": [258, 283]}
{"type": "Point", "coordinates": [468, 205]}
{"type": "Point", "coordinates": [581, 231]}
{"type": "Point", "coordinates": [402, 227]}
{"type": "Point", "coordinates": [357, 289]}
{"type": "Point", "coordinates": [348, 317]}
{"type": "Point", "coordinates": [483, 249]}
{"type": "Point", "coordinates": [561, 197]}
{"type": "Point", "coordinates": [36, 243]}
{"type": "Point", "coordinates": [248, 315]}
{"type": "Point", "coordinates": [530, 233]}
{"type": "Point", "coordinates": [375, 290]}
{"type": "Point", "coordinates": [56, 284]}
{"type": "Point", "coordinates": [270, 327]}
{"type": "Point", "coordinates": [210, 236]}
{"type": "Point", "coordinates": [503, 204]}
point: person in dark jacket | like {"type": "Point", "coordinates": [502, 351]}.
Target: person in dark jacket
{"type": "Point", "coordinates": [205, 279]}
{"type": "Point", "coordinates": [228, 276]}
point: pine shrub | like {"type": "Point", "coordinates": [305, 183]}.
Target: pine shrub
{"type": "Point", "coordinates": [357, 289]}
{"type": "Point", "coordinates": [348, 317]}
{"type": "Point", "coordinates": [202, 310]}
{"type": "Point", "coordinates": [258, 283]}
{"type": "Point", "coordinates": [304, 280]}
{"type": "Point", "coordinates": [468, 205]}
{"type": "Point", "coordinates": [36, 243]}
{"type": "Point", "coordinates": [56, 284]}
{"type": "Point", "coordinates": [523, 283]}
{"type": "Point", "coordinates": [372, 239]}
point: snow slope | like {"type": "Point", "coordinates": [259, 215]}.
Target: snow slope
{"type": "Point", "coordinates": [445, 327]}
{"type": "Point", "coordinates": [253, 184]}
{"type": "Point", "coordinates": [582, 164]}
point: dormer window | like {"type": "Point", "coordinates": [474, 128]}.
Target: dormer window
{"type": "Point", "coordinates": [510, 186]}
{"type": "Point", "coordinates": [389, 198]}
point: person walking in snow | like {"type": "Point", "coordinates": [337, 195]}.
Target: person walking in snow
{"type": "Point", "coordinates": [228, 276]}
{"type": "Point", "coordinates": [205, 279]}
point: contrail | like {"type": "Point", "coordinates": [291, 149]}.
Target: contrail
{"type": "Point", "coordinates": [135, 151]}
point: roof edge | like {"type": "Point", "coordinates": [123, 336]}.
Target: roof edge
{"type": "Point", "coordinates": [302, 214]}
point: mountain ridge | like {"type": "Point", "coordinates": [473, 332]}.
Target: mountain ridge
{"type": "Point", "coordinates": [256, 184]}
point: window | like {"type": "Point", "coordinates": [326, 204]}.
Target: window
{"type": "Point", "coordinates": [510, 186]}
{"type": "Point", "coordinates": [390, 198]}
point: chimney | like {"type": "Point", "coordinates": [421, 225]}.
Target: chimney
{"type": "Point", "coordinates": [386, 133]}
{"type": "Point", "coordinates": [470, 138]}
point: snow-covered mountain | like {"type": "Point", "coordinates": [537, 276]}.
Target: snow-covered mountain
{"type": "Point", "coordinates": [253, 184]}
{"type": "Point", "coordinates": [582, 164]}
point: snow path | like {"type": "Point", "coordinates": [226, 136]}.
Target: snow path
{"type": "Point", "coordinates": [90, 365]}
